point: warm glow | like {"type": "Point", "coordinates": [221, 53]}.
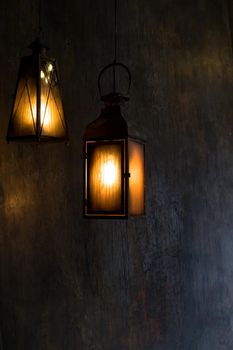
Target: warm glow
{"type": "Point", "coordinates": [45, 116]}
{"type": "Point", "coordinates": [46, 77]}
{"type": "Point", "coordinates": [47, 122]}
{"type": "Point", "coordinates": [136, 180]}
{"type": "Point", "coordinates": [50, 117]}
{"type": "Point", "coordinates": [108, 173]}
{"type": "Point", "coordinates": [50, 120]}
{"type": "Point", "coordinates": [105, 178]}
{"type": "Point", "coordinates": [50, 67]}
{"type": "Point", "coordinates": [24, 119]}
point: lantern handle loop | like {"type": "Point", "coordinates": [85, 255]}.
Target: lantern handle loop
{"type": "Point", "coordinates": [114, 64]}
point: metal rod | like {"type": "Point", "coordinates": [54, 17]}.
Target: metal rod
{"type": "Point", "coordinates": [230, 20]}
{"type": "Point", "coordinates": [39, 18]}
{"type": "Point", "coordinates": [115, 45]}
{"type": "Point", "coordinates": [1, 341]}
{"type": "Point", "coordinates": [38, 101]}
{"type": "Point", "coordinates": [115, 32]}
{"type": "Point", "coordinates": [114, 78]}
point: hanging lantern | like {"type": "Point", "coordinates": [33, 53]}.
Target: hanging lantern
{"type": "Point", "coordinates": [113, 161]}
{"type": "Point", "coordinates": [37, 114]}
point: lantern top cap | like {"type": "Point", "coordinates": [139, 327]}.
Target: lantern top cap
{"type": "Point", "coordinates": [37, 46]}
{"type": "Point", "coordinates": [114, 98]}
{"type": "Point", "coordinates": [109, 125]}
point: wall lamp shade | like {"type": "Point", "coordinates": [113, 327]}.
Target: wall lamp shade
{"type": "Point", "coordinates": [37, 113]}
{"type": "Point", "coordinates": [113, 165]}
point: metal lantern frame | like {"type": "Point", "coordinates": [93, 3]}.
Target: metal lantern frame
{"type": "Point", "coordinates": [110, 129]}
{"type": "Point", "coordinates": [34, 64]}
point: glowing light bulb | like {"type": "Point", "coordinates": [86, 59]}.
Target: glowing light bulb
{"type": "Point", "coordinates": [108, 173]}
{"type": "Point", "coordinates": [42, 75]}
{"type": "Point", "coordinates": [46, 80]}
{"type": "Point", "coordinates": [50, 67]}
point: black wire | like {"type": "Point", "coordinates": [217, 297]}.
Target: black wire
{"type": "Point", "coordinates": [115, 51]}
{"type": "Point", "coordinates": [39, 18]}
{"type": "Point", "coordinates": [115, 46]}
{"type": "Point", "coordinates": [230, 20]}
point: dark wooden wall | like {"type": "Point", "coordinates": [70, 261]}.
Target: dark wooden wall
{"type": "Point", "coordinates": [161, 282]}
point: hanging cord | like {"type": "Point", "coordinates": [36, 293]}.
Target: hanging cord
{"type": "Point", "coordinates": [114, 64]}
{"type": "Point", "coordinates": [115, 32]}
{"type": "Point", "coordinates": [39, 19]}
{"type": "Point", "coordinates": [115, 46]}
{"type": "Point", "coordinates": [229, 9]}
{"type": "Point", "coordinates": [1, 341]}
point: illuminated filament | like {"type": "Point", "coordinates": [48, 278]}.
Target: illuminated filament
{"type": "Point", "coordinates": [108, 173]}
{"type": "Point", "coordinates": [46, 76]}
{"type": "Point", "coordinates": [50, 67]}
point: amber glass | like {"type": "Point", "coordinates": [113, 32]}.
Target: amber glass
{"type": "Point", "coordinates": [23, 120]}
{"type": "Point", "coordinates": [136, 179]}
{"type": "Point", "coordinates": [105, 180]}
{"type": "Point", "coordinates": [51, 113]}
{"type": "Point", "coordinates": [37, 108]}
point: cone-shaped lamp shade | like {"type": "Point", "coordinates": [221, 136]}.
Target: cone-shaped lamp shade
{"type": "Point", "coordinates": [113, 168]}
{"type": "Point", "coordinates": [37, 113]}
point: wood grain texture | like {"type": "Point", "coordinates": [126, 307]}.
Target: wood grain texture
{"type": "Point", "coordinates": [163, 281]}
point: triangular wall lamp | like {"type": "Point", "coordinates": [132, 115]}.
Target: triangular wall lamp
{"type": "Point", "coordinates": [37, 113]}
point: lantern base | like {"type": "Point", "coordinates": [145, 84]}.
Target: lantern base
{"type": "Point", "coordinates": [34, 139]}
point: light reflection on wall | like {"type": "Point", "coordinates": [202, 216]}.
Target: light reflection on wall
{"type": "Point", "coordinates": [17, 202]}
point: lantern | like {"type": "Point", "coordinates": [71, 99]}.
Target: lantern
{"type": "Point", "coordinates": [113, 162]}
{"type": "Point", "coordinates": [37, 114]}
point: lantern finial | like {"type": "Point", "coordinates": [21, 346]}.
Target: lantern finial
{"type": "Point", "coordinates": [38, 47]}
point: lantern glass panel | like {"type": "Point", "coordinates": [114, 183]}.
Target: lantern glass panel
{"type": "Point", "coordinates": [137, 178]}
{"type": "Point", "coordinates": [105, 178]}
{"type": "Point", "coordinates": [23, 122]}
{"type": "Point", "coordinates": [51, 112]}
{"type": "Point", "coordinates": [37, 113]}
